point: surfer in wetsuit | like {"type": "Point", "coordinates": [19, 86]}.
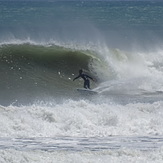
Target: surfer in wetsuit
{"type": "Point", "coordinates": [85, 78]}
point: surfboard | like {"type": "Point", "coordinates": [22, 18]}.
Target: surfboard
{"type": "Point", "coordinates": [86, 91]}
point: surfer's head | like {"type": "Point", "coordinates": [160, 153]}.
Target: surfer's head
{"type": "Point", "coordinates": [80, 71]}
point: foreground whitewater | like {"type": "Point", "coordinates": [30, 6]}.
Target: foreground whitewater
{"type": "Point", "coordinates": [81, 131]}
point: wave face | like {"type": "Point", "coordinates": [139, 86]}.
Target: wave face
{"type": "Point", "coordinates": [33, 70]}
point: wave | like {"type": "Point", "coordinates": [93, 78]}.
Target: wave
{"type": "Point", "coordinates": [32, 71]}
{"type": "Point", "coordinates": [38, 69]}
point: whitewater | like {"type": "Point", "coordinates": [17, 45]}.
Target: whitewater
{"type": "Point", "coordinates": [43, 118]}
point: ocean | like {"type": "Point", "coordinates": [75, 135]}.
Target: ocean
{"type": "Point", "coordinates": [44, 119]}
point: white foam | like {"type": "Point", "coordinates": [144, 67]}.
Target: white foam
{"type": "Point", "coordinates": [118, 156]}
{"type": "Point", "coordinates": [138, 70]}
{"type": "Point", "coordinates": [82, 118]}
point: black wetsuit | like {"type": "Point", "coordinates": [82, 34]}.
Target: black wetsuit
{"type": "Point", "coordinates": [86, 80]}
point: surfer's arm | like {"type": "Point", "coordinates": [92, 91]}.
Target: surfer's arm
{"type": "Point", "coordinates": [76, 77]}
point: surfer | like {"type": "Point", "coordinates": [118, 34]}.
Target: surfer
{"type": "Point", "coordinates": [85, 78]}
